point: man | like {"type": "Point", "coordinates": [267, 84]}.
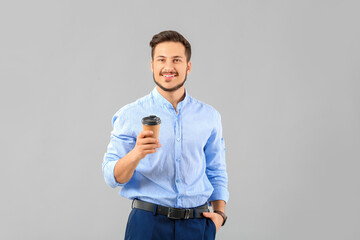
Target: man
{"type": "Point", "coordinates": [173, 178]}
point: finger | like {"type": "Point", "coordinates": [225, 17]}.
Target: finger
{"type": "Point", "coordinates": [210, 215]}
{"type": "Point", "coordinates": [148, 140]}
{"type": "Point", "coordinates": [207, 214]}
{"type": "Point", "coordinates": [144, 134]}
{"type": "Point", "coordinates": [150, 146]}
{"type": "Point", "coordinates": [150, 151]}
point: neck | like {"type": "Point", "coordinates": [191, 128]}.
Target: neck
{"type": "Point", "coordinates": [173, 97]}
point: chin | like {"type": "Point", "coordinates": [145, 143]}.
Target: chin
{"type": "Point", "coordinates": [170, 86]}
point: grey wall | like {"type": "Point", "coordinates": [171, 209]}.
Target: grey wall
{"type": "Point", "coordinates": [283, 74]}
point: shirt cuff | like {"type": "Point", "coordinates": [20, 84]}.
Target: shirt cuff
{"type": "Point", "coordinates": [110, 177]}
{"type": "Point", "coordinates": [220, 193]}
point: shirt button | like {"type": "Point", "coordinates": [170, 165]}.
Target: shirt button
{"type": "Point", "coordinates": [177, 180]}
{"type": "Point", "coordinates": [178, 159]}
{"type": "Point", "coordinates": [178, 139]}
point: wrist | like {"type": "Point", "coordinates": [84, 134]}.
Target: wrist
{"type": "Point", "coordinates": [135, 156]}
{"type": "Point", "coordinates": [222, 214]}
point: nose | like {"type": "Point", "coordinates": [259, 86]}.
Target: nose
{"type": "Point", "coordinates": [169, 67]}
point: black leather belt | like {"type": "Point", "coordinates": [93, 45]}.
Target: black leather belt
{"type": "Point", "coordinates": [170, 212]}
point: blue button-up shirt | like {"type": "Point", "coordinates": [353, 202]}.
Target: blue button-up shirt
{"type": "Point", "coordinates": [188, 169]}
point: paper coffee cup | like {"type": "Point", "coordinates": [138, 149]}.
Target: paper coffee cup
{"type": "Point", "coordinates": [152, 123]}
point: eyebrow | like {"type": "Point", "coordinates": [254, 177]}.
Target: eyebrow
{"type": "Point", "coordinates": [171, 57]}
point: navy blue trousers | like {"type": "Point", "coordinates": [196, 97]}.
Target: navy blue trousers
{"type": "Point", "coordinates": [144, 225]}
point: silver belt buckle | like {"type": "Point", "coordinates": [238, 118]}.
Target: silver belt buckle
{"type": "Point", "coordinates": [187, 213]}
{"type": "Point", "coordinates": [169, 214]}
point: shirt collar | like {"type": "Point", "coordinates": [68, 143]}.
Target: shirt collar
{"type": "Point", "coordinates": [163, 101]}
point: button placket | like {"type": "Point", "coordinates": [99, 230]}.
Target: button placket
{"type": "Point", "coordinates": [178, 156]}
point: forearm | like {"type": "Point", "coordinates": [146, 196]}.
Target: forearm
{"type": "Point", "coordinates": [125, 167]}
{"type": "Point", "coordinates": [218, 205]}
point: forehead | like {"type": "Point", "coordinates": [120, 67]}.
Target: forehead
{"type": "Point", "coordinates": [169, 49]}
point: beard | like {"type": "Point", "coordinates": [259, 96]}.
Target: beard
{"type": "Point", "coordinates": [170, 89]}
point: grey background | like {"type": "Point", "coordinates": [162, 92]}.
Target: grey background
{"type": "Point", "coordinates": [283, 74]}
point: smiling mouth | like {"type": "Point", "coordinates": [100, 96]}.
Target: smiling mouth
{"type": "Point", "coordinates": [169, 76]}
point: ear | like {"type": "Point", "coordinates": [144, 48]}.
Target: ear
{"type": "Point", "coordinates": [152, 65]}
{"type": "Point", "coordinates": [188, 67]}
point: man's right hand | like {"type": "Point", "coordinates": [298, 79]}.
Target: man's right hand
{"type": "Point", "coordinates": [125, 167]}
{"type": "Point", "coordinates": [145, 144]}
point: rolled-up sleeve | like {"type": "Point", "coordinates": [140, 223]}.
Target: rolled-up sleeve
{"type": "Point", "coordinates": [215, 162]}
{"type": "Point", "coordinates": [122, 141]}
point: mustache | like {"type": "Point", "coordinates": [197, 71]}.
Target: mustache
{"type": "Point", "coordinates": [166, 73]}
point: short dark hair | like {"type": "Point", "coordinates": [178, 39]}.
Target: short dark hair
{"type": "Point", "coordinates": [170, 36]}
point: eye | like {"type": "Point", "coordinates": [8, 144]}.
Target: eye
{"type": "Point", "coordinates": [161, 60]}
{"type": "Point", "coordinates": [177, 60]}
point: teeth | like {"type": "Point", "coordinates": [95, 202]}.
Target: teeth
{"type": "Point", "coordinates": [169, 75]}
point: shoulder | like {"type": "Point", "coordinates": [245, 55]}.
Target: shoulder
{"type": "Point", "coordinates": [132, 108]}
{"type": "Point", "coordinates": [209, 109]}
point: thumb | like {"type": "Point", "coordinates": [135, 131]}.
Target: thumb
{"type": "Point", "coordinates": [207, 214]}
